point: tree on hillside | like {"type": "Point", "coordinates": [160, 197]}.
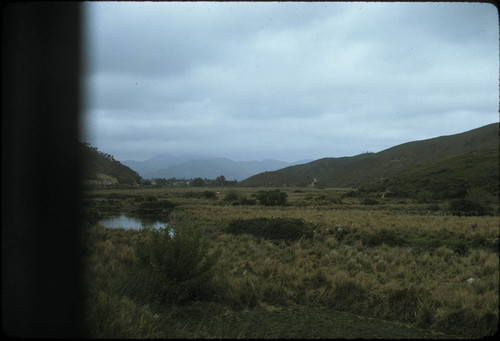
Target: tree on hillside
{"type": "Point", "coordinates": [220, 180]}
{"type": "Point", "coordinates": [198, 182]}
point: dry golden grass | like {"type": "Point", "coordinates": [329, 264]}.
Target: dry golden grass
{"type": "Point", "coordinates": [425, 287]}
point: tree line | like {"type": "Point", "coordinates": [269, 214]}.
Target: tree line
{"type": "Point", "coordinates": [220, 181]}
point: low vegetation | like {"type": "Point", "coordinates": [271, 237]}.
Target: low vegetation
{"type": "Point", "coordinates": [173, 266]}
{"type": "Point", "coordinates": [272, 197]}
{"type": "Point", "coordinates": [243, 270]}
{"type": "Point", "coordinates": [273, 229]}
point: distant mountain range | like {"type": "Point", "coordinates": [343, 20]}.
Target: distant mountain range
{"type": "Point", "coordinates": [444, 165]}
{"type": "Point", "coordinates": [368, 168]}
{"type": "Point", "coordinates": [194, 166]}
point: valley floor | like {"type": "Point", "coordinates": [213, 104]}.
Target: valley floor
{"type": "Point", "coordinates": [400, 270]}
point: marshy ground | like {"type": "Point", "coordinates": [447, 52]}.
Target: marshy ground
{"type": "Point", "coordinates": [398, 269]}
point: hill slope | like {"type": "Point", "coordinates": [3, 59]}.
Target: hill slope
{"type": "Point", "coordinates": [101, 168]}
{"type": "Point", "coordinates": [368, 168]}
{"type": "Point", "coordinates": [448, 178]}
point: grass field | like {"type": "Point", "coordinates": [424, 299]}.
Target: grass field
{"type": "Point", "coordinates": [388, 268]}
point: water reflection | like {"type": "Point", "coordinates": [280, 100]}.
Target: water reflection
{"type": "Point", "coordinates": [132, 222]}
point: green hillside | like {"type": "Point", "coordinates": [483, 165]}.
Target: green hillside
{"type": "Point", "coordinates": [445, 179]}
{"type": "Point", "coordinates": [276, 179]}
{"type": "Point", "coordinates": [368, 168]}
{"type": "Point", "coordinates": [102, 169]}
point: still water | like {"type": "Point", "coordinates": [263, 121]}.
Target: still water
{"type": "Point", "coordinates": [132, 222]}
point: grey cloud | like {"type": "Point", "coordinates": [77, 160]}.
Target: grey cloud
{"type": "Point", "coordinates": [304, 79]}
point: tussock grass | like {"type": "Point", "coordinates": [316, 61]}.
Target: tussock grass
{"type": "Point", "coordinates": [407, 268]}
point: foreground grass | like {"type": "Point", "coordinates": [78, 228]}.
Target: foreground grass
{"type": "Point", "coordinates": [409, 270]}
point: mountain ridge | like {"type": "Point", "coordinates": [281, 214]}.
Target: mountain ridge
{"type": "Point", "coordinates": [367, 168]}
{"type": "Point", "coordinates": [102, 169]}
{"type": "Point", "coordinates": [193, 166]}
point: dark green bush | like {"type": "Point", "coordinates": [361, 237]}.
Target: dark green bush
{"type": "Point", "coordinates": [466, 207]}
{"type": "Point", "coordinates": [231, 195]}
{"type": "Point", "coordinates": [424, 196]}
{"type": "Point", "coordinates": [236, 198]}
{"type": "Point", "coordinates": [275, 229]}
{"type": "Point", "coordinates": [403, 303]}
{"type": "Point", "coordinates": [370, 201]}
{"type": "Point", "coordinates": [159, 207]}
{"type": "Point", "coordinates": [469, 322]}
{"type": "Point", "coordinates": [272, 197]}
{"type": "Point", "coordinates": [387, 237]}
{"type": "Point", "coordinates": [476, 202]}
{"type": "Point", "coordinates": [174, 266]}
{"type": "Point", "coordinates": [458, 246]}
{"type": "Point", "coordinates": [244, 201]}
{"type": "Point", "coordinates": [482, 242]}
{"type": "Point", "coordinates": [210, 195]}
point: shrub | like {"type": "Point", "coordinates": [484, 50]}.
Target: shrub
{"type": "Point", "coordinates": [245, 201]}
{"type": "Point", "coordinates": [155, 207]}
{"type": "Point", "coordinates": [466, 207]}
{"type": "Point", "coordinates": [347, 294]}
{"type": "Point", "coordinates": [231, 195]}
{"type": "Point", "coordinates": [238, 199]}
{"type": "Point", "coordinates": [174, 265]}
{"type": "Point", "coordinates": [210, 195]}
{"type": "Point", "coordinates": [384, 236]}
{"type": "Point", "coordinates": [403, 303]}
{"type": "Point", "coordinates": [424, 196]}
{"type": "Point", "coordinates": [468, 321]}
{"type": "Point", "coordinates": [476, 202]}
{"type": "Point", "coordinates": [369, 201]}
{"type": "Point", "coordinates": [272, 197]}
{"type": "Point", "coordinates": [275, 229]}
{"type": "Point", "coordinates": [458, 246]}
{"type": "Point", "coordinates": [479, 195]}
{"type": "Point", "coordinates": [114, 317]}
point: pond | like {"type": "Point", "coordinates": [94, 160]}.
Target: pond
{"type": "Point", "coordinates": [131, 222]}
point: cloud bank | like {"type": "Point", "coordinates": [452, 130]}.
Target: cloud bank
{"type": "Point", "coordinates": [287, 81]}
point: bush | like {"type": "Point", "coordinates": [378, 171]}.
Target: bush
{"type": "Point", "coordinates": [275, 229]}
{"type": "Point", "coordinates": [272, 197]}
{"type": "Point", "coordinates": [458, 246]}
{"type": "Point", "coordinates": [210, 195]}
{"type": "Point", "coordinates": [231, 195]}
{"type": "Point", "coordinates": [369, 201]}
{"type": "Point", "coordinates": [158, 207]}
{"type": "Point", "coordinates": [403, 303]}
{"type": "Point", "coordinates": [174, 266]}
{"type": "Point", "coordinates": [475, 203]}
{"type": "Point", "coordinates": [236, 198]}
{"type": "Point", "coordinates": [424, 196]}
{"type": "Point", "coordinates": [466, 207]}
{"type": "Point", "coordinates": [389, 238]}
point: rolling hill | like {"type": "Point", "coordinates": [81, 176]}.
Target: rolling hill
{"type": "Point", "coordinates": [368, 168]}
{"type": "Point", "coordinates": [448, 178]}
{"type": "Point", "coordinates": [102, 169]}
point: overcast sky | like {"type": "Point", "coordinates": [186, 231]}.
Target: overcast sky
{"type": "Point", "coordinates": [288, 81]}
